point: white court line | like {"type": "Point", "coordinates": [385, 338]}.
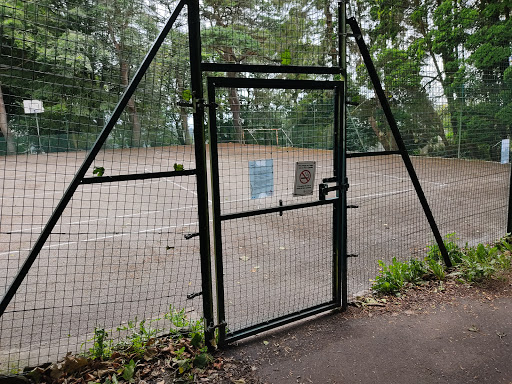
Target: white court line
{"type": "Point", "coordinates": [382, 194]}
{"type": "Point", "coordinates": [100, 238]}
{"type": "Point", "coordinates": [87, 188]}
{"type": "Point", "coordinates": [398, 178]}
{"type": "Point", "coordinates": [178, 185]}
{"type": "Point", "coordinates": [120, 216]}
{"type": "Point", "coordinates": [105, 218]}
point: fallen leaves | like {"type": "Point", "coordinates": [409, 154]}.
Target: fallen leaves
{"type": "Point", "coordinates": [164, 361]}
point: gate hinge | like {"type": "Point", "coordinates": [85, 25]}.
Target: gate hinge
{"type": "Point", "coordinates": [352, 255]}
{"type": "Point", "coordinates": [213, 327]}
{"type": "Point", "coordinates": [197, 103]}
{"type": "Point", "coordinates": [192, 295]}
{"type": "Point", "coordinates": [191, 235]}
{"type": "Point", "coordinates": [200, 103]}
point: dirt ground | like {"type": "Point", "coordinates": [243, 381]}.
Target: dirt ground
{"type": "Point", "coordinates": [448, 334]}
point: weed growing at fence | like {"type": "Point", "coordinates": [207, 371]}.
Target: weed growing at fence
{"type": "Point", "coordinates": [174, 351]}
{"type": "Point", "coordinates": [454, 251]}
{"type": "Point", "coordinates": [102, 346]}
{"type": "Point", "coordinates": [140, 334]}
{"type": "Point", "coordinates": [138, 343]}
{"type": "Point", "coordinates": [392, 278]}
{"type": "Point", "coordinates": [470, 264]}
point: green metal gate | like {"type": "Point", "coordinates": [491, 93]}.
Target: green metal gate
{"type": "Point", "coordinates": [277, 150]}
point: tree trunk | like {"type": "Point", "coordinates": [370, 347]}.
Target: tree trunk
{"type": "Point", "coordinates": [4, 126]}
{"type": "Point", "coordinates": [425, 33]}
{"type": "Point", "coordinates": [234, 103]}
{"type": "Point", "coordinates": [132, 109]}
{"type": "Point", "coordinates": [184, 135]}
{"type": "Point", "coordinates": [329, 33]}
{"type": "Point", "coordinates": [386, 139]}
{"type": "Point", "coordinates": [124, 68]}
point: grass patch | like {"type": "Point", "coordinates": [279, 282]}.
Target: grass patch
{"type": "Point", "coordinates": [470, 264]}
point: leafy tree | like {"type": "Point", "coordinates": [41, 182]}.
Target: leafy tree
{"type": "Point", "coordinates": [18, 38]}
{"type": "Point", "coordinates": [488, 93]}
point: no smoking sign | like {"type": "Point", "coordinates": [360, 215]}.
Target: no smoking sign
{"type": "Point", "coordinates": [304, 178]}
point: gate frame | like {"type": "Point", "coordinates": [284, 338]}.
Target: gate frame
{"type": "Point", "coordinates": [339, 287]}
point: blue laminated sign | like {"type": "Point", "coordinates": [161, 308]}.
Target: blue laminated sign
{"type": "Point", "coordinates": [261, 176]}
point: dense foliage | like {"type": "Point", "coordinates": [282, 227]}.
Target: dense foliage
{"type": "Point", "coordinates": [445, 66]}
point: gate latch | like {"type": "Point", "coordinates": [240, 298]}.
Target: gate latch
{"type": "Point", "coordinates": [324, 188]}
{"type": "Point", "coordinates": [192, 295]}
{"type": "Point", "coordinates": [213, 327]}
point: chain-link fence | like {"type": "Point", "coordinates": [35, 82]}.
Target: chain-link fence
{"type": "Point", "coordinates": [119, 251]}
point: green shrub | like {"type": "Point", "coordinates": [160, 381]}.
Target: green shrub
{"type": "Point", "coordinates": [437, 268]}
{"type": "Point", "coordinates": [392, 278]}
{"type": "Point", "coordinates": [455, 253]}
{"type": "Point", "coordinates": [416, 271]}
{"type": "Point", "coordinates": [479, 262]}
{"type": "Point", "coordinates": [471, 264]}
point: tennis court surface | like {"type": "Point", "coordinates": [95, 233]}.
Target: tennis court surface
{"type": "Point", "coordinates": [127, 250]}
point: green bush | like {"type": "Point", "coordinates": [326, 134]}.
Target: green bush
{"type": "Point", "coordinates": [470, 264]}
{"type": "Point", "coordinates": [437, 268]}
{"type": "Point", "coordinates": [392, 278]}
{"type": "Point", "coordinates": [455, 253]}
{"type": "Point", "coordinates": [479, 262]}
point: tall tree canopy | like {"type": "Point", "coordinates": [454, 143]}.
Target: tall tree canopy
{"type": "Point", "coordinates": [445, 66]}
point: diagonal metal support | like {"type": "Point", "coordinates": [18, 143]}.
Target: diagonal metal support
{"type": "Point", "coordinates": [365, 53]}
{"type": "Point", "coordinates": [79, 176]}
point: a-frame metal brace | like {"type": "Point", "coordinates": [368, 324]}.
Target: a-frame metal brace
{"type": "Point", "coordinates": [365, 53]}
{"type": "Point", "coordinates": [200, 172]}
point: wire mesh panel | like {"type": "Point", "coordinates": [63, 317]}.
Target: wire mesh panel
{"type": "Point", "coordinates": [275, 263]}
{"type": "Point", "coordinates": [388, 210]}
{"type": "Point", "coordinates": [445, 70]}
{"type": "Point", "coordinates": [120, 251]}
{"type": "Point", "coordinates": [270, 32]}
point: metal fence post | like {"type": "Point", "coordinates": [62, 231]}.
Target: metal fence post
{"type": "Point", "coordinates": [509, 218]}
{"type": "Point", "coordinates": [342, 41]}
{"type": "Point", "coordinates": [200, 154]}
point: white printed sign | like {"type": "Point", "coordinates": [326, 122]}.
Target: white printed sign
{"type": "Point", "coordinates": [33, 106]}
{"type": "Point", "coordinates": [304, 178]}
